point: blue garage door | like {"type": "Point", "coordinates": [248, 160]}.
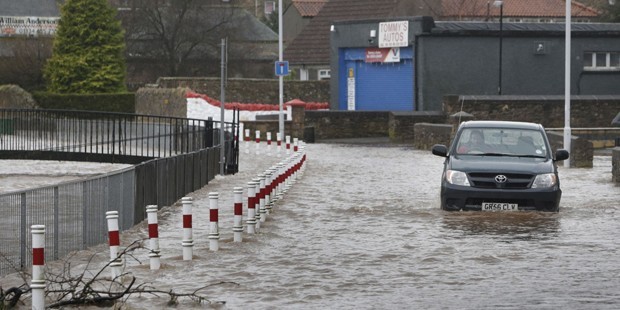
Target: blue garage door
{"type": "Point", "coordinates": [379, 86]}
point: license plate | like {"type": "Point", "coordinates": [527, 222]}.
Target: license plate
{"type": "Point", "coordinates": [499, 206]}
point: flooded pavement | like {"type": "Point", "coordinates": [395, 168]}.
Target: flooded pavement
{"type": "Point", "coordinates": [362, 229]}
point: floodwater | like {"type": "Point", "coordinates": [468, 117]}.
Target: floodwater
{"type": "Point", "coordinates": [362, 229]}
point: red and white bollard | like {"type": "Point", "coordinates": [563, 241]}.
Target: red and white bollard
{"type": "Point", "coordinates": [268, 183]}
{"type": "Point", "coordinates": [295, 144]}
{"type": "Point", "coordinates": [188, 239]}
{"type": "Point", "coordinates": [268, 143]}
{"type": "Point", "coordinates": [288, 145]}
{"type": "Point", "coordinates": [151, 214]}
{"type": "Point", "coordinates": [38, 266]}
{"type": "Point", "coordinates": [257, 203]}
{"type": "Point", "coordinates": [246, 138]}
{"type": "Point", "coordinates": [214, 230]}
{"type": "Point", "coordinates": [238, 217]}
{"type": "Point", "coordinates": [261, 198]}
{"type": "Point", "coordinates": [257, 142]}
{"type": "Point", "coordinates": [251, 221]}
{"type": "Point", "coordinates": [279, 144]}
{"type": "Point", "coordinates": [115, 242]}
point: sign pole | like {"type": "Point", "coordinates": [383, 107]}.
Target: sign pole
{"type": "Point", "coordinates": [567, 130]}
{"type": "Point", "coordinates": [281, 77]}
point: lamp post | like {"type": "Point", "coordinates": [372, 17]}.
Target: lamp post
{"type": "Point", "coordinates": [500, 4]}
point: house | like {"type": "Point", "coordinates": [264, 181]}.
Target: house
{"type": "Point", "coordinates": [411, 63]}
{"type": "Point", "coordinates": [297, 15]}
{"type": "Point", "coordinates": [308, 53]}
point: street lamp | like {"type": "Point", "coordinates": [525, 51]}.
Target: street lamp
{"type": "Point", "coordinates": [500, 4]}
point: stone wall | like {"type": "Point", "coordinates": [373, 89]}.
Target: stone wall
{"type": "Point", "coordinates": [253, 90]}
{"type": "Point", "coordinates": [615, 164]}
{"type": "Point", "coordinates": [581, 152]}
{"type": "Point", "coordinates": [14, 97]}
{"type": "Point", "coordinates": [347, 124]}
{"type": "Point", "coordinates": [586, 111]}
{"type": "Point", "coordinates": [162, 101]}
{"type": "Point", "coordinates": [401, 127]}
{"type": "Point", "coordinates": [427, 135]}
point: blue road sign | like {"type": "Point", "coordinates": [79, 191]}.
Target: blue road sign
{"type": "Point", "coordinates": [281, 68]}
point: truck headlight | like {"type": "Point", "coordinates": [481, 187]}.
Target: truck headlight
{"type": "Point", "coordinates": [457, 178]}
{"type": "Point", "coordinates": [545, 180]}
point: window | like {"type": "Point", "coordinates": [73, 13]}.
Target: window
{"type": "Point", "coordinates": [324, 74]}
{"type": "Point", "coordinates": [601, 61]}
{"type": "Point", "coordinates": [270, 7]}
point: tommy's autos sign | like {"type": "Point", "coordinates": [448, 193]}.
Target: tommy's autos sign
{"type": "Point", "coordinates": [394, 34]}
{"type": "Point", "coordinates": [28, 26]}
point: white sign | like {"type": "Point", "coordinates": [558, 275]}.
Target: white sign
{"type": "Point", "coordinates": [351, 90]}
{"type": "Point", "coordinates": [28, 26]}
{"type": "Point", "coordinates": [394, 34]}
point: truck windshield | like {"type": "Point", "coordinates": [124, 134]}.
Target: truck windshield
{"type": "Point", "coordinates": [502, 141]}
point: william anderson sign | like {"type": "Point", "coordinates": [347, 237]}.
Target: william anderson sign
{"type": "Point", "coordinates": [28, 26]}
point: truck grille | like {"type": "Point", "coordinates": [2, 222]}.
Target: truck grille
{"type": "Point", "coordinates": [488, 180]}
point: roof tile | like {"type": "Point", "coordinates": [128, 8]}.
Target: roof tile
{"type": "Point", "coordinates": [515, 8]}
{"type": "Point", "coordinates": [309, 8]}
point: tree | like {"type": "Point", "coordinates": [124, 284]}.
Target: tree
{"type": "Point", "coordinates": [88, 53]}
{"type": "Point", "coordinates": [25, 66]}
{"type": "Point", "coordinates": [272, 21]}
{"type": "Point", "coordinates": [611, 13]}
{"type": "Point", "coordinates": [173, 32]}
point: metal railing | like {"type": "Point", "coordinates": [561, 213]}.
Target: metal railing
{"type": "Point", "coordinates": [174, 157]}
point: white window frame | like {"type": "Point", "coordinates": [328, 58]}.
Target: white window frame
{"type": "Point", "coordinates": [303, 74]}
{"type": "Point", "coordinates": [600, 67]}
{"type": "Point", "coordinates": [324, 74]}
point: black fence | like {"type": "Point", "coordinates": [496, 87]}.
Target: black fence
{"type": "Point", "coordinates": [172, 157]}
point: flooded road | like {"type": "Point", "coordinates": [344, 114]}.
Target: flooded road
{"type": "Point", "coordinates": [362, 229]}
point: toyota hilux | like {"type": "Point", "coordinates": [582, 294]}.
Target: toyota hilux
{"type": "Point", "coordinates": [500, 166]}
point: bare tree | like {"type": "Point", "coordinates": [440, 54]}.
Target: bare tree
{"type": "Point", "coordinates": [173, 32]}
{"type": "Point", "coordinates": [24, 66]}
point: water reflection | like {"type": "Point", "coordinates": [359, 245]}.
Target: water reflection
{"type": "Point", "coordinates": [520, 225]}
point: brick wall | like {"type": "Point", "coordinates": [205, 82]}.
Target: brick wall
{"type": "Point", "coordinates": [347, 124]}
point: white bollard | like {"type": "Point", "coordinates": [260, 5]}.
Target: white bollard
{"type": "Point", "coordinates": [279, 143]}
{"type": "Point", "coordinates": [238, 217]}
{"type": "Point", "coordinates": [188, 239]}
{"type": "Point", "coordinates": [114, 241]}
{"type": "Point", "coordinates": [257, 203]}
{"type": "Point", "coordinates": [151, 214]}
{"type": "Point", "coordinates": [257, 142]}
{"type": "Point", "coordinates": [268, 143]}
{"type": "Point", "coordinates": [38, 267]}
{"type": "Point", "coordinates": [251, 209]}
{"type": "Point", "coordinates": [295, 144]}
{"type": "Point", "coordinates": [214, 231]}
{"type": "Point", "coordinates": [261, 198]}
{"type": "Point", "coordinates": [246, 138]}
{"type": "Point", "coordinates": [288, 145]}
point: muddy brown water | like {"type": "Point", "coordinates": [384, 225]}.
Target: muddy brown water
{"type": "Point", "coordinates": [362, 229]}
